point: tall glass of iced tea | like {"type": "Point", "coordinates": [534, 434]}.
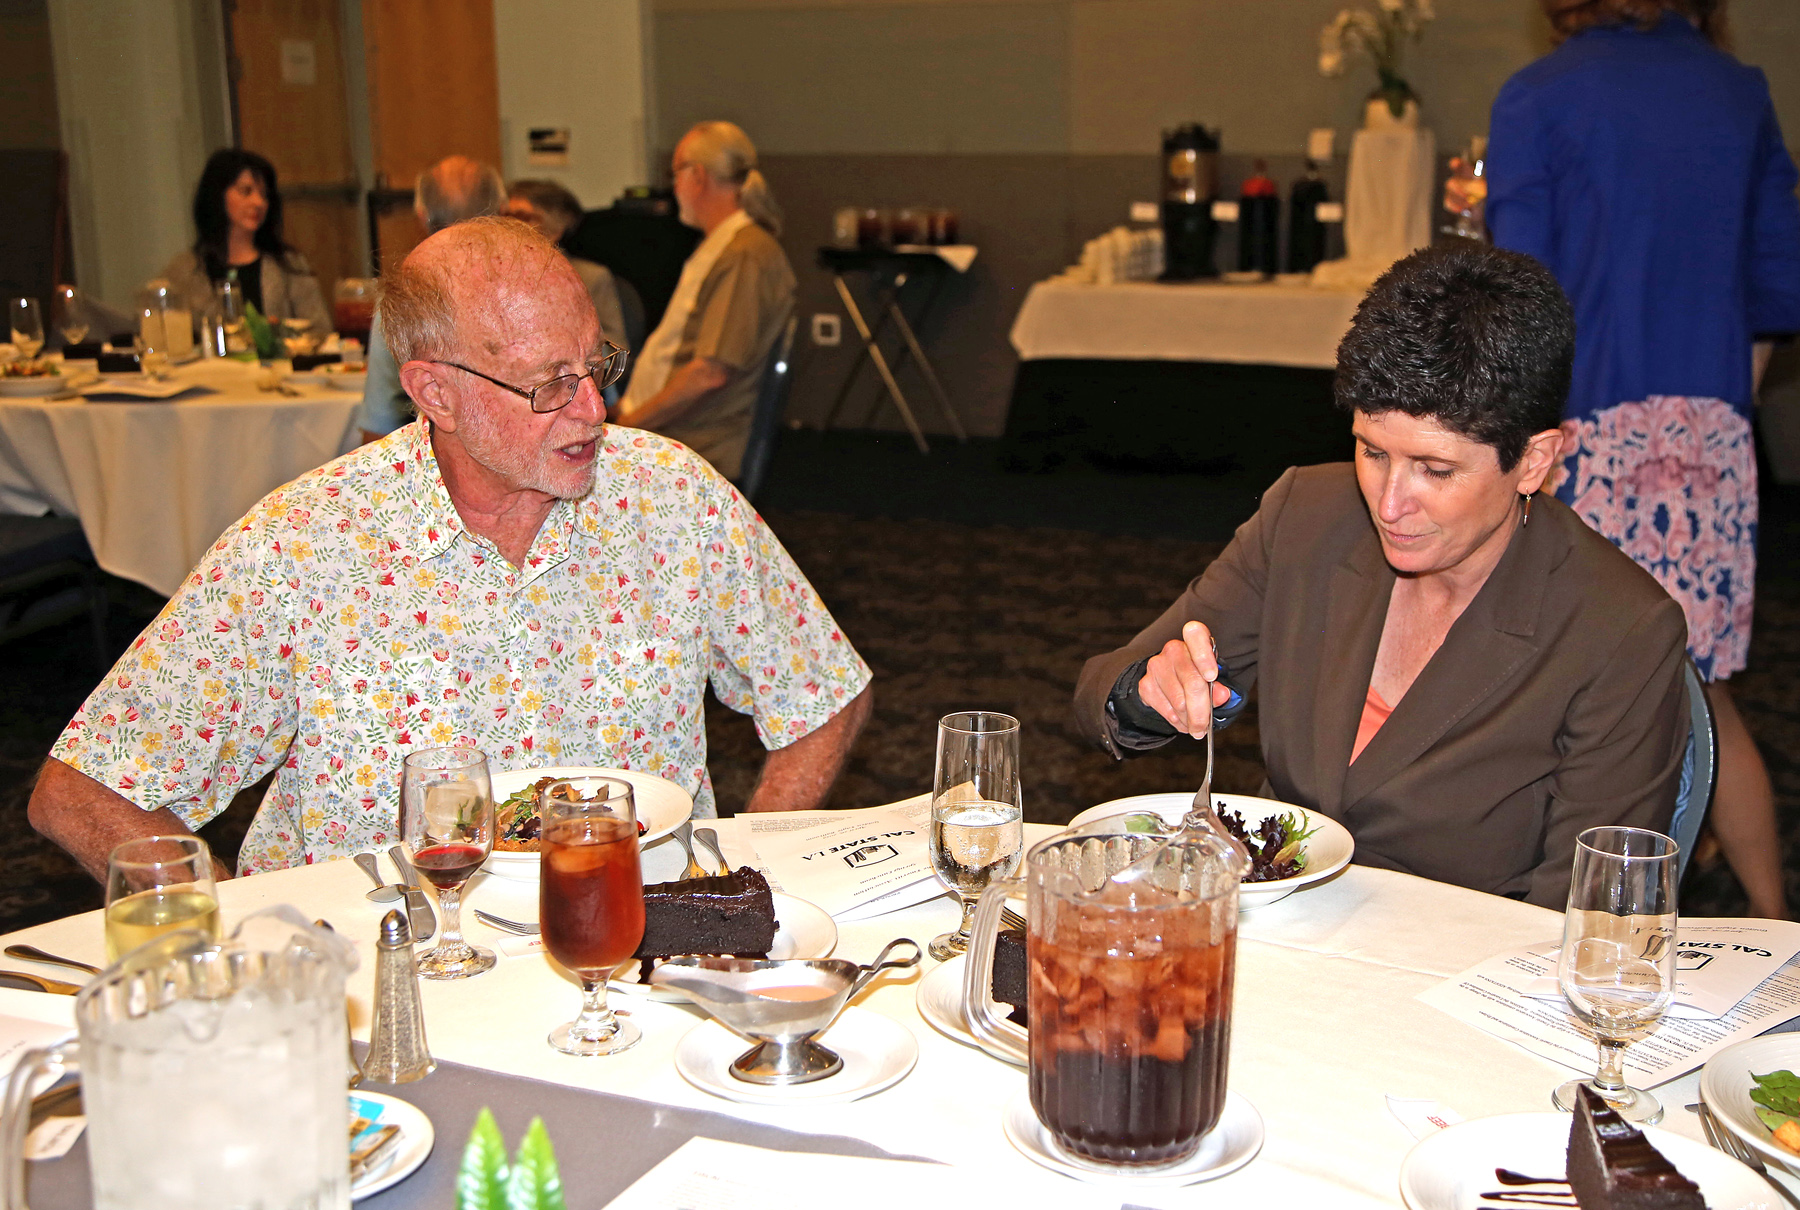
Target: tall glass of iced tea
{"type": "Point", "coordinates": [591, 901]}
{"type": "Point", "coordinates": [1130, 984]}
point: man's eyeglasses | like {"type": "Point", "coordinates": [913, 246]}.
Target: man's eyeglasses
{"type": "Point", "coordinates": [559, 392]}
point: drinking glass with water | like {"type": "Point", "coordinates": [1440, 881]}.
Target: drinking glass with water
{"type": "Point", "coordinates": [977, 817]}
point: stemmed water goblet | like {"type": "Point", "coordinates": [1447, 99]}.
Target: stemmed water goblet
{"type": "Point", "coordinates": [447, 829]}
{"type": "Point", "coordinates": [26, 320]}
{"type": "Point", "coordinates": [591, 900]}
{"type": "Point", "coordinates": [155, 885]}
{"type": "Point", "coordinates": [1617, 968]}
{"type": "Point", "coordinates": [977, 815]}
{"type": "Point", "coordinates": [70, 319]}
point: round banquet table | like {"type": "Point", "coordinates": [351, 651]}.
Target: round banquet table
{"type": "Point", "coordinates": [154, 483]}
{"type": "Point", "coordinates": [1326, 1026]}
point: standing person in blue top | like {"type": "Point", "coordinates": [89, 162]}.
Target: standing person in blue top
{"type": "Point", "coordinates": [1644, 165]}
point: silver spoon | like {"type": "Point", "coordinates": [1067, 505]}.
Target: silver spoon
{"type": "Point", "coordinates": [32, 953]}
{"type": "Point", "coordinates": [383, 893]}
{"type": "Point", "coordinates": [683, 836]}
{"type": "Point", "coordinates": [710, 839]}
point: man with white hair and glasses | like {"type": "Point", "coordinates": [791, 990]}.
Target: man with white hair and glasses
{"type": "Point", "coordinates": [506, 572]}
{"type": "Point", "coordinates": [697, 376]}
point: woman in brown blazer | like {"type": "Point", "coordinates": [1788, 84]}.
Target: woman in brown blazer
{"type": "Point", "coordinates": [1450, 664]}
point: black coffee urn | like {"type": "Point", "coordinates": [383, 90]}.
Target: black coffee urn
{"type": "Point", "coordinates": [1306, 234]}
{"type": "Point", "coordinates": [1190, 186]}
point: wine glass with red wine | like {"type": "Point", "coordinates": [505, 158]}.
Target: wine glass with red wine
{"type": "Point", "coordinates": [447, 828]}
{"type": "Point", "coordinates": [591, 901]}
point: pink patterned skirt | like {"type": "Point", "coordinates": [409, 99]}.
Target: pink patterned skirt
{"type": "Point", "coordinates": [1672, 482]}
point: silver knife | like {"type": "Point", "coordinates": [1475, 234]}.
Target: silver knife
{"type": "Point", "coordinates": [418, 908]}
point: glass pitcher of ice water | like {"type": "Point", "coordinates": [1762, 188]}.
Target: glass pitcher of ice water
{"type": "Point", "coordinates": [1130, 945]}
{"type": "Point", "coordinates": [212, 1074]}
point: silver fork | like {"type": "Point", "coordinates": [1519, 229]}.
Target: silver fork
{"type": "Point", "coordinates": [1721, 1137]}
{"type": "Point", "coordinates": [518, 928]}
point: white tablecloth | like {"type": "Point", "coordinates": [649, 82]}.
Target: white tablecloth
{"type": "Point", "coordinates": [1326, 1026]}
{"type": "Point", "coordinates": [156, 483]}
{"type": "Point", "coordinates": [1253, 324]}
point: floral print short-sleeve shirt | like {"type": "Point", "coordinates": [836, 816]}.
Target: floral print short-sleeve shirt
{"type": "Point", "coordinates": [350, 618]}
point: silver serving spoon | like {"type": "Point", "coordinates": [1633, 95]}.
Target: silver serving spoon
{"type": "Point", "coordinates": [710, 839]}
{"type": "Point", "coordinates": [684, 836]}
{"type": "Point", "coordinates": [383, 893]}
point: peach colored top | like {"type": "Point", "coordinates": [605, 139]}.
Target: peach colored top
{"type": "Point", "coordinates": [1374, 713]}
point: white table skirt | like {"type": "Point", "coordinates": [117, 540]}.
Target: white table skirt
{"type": "Point", "coordinates": [1257, 324]}
{"type": "Point", "coordinates": [1326, 1026]}
{"type": "Point", "coordinates": [155, 483]}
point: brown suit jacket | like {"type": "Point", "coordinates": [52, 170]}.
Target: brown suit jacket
{"type": "Point", "coordinates": [1555, 704]}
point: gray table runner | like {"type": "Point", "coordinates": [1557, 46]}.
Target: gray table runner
{"type": "Point", "coordinates": [603, 1142]}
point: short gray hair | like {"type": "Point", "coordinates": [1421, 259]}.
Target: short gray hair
{"type": "Point", "coordinates": [457, 188]}
{"type": "Point", "coordinates": [418, 298]}
{"type": "Point", "coordinates": [728, 156]}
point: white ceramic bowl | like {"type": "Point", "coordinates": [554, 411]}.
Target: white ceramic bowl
{"type": "Point", "coordinates": [1725, 1084]}
{"type": "Point", "coordinates": [662, 806]}
{"type": "Point", "coordinates": [34, 388]}
{"type": "Point", "coordinates": [1328, 850]}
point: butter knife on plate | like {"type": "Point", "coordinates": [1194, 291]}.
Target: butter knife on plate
{"type": "Point", "coordinates": [418, 908]}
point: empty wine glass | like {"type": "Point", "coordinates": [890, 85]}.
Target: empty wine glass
{"type": "Point", "coordinates": [977, 818]}
{"type": "Point", "coordinates": [27, 322]}
{"type": "Point", "coordinates": [71, 315]}
{"type": "Point", "coordinates": [1617, 969]}
{"type": "Point", "coordinates": [447, 828]}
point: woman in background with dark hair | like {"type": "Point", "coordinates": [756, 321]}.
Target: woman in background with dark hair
{"type": "Point", "coordinates": [1448, 663]}
{"type": "Point", "coordinates": [237, 215]}
{"type": "Point", "coordinates": [1644, 165]}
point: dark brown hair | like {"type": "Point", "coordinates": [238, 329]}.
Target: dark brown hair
{"type": "Point", "coordinates": [1572, 16]}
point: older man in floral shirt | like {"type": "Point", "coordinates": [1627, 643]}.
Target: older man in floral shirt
{"type": "Point", "coordinates": [506, 572]}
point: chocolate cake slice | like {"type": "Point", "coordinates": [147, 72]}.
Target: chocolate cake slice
{"type": "Point", "coordinates": [1010, 972]}
{"type": "Point", "coordinates": [1612, 1166]}
{"type": "Point", "coordinates": [731, 915]}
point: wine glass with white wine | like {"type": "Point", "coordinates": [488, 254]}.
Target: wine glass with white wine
{"type": "Point", "coordinates": [1617, 969]}
{"type": "Point", "coordinates": [977, 817]}
{"type": "Point", "coordinates": [27, 324]}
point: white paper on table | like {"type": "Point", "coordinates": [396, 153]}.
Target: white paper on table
{"type": "Point", "coordinates": [1491, 996]}
{"type": "Point", "coordinates": [868, 861]}
{"type": "Point", "coordinates": [1717, 963]}
{"type": "Point", "coordinates": [708, 1174]}
{"type": "Point", "coordinates": [1421, 1116]}
{"type": "Point", "coordinates": [18, 1035]}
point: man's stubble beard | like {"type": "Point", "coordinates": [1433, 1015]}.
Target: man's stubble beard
{"type": "Point", "coordinates": [481, 437]}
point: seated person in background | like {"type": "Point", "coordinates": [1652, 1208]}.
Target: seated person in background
{"type": "Point", "coordinates": [451, 190]}
{"type": "Point", "coordinates": [553, 210]}
{"type": "Point", "coordinates": [505, 572]}
{"type": "Point", "coordinates": [698, 374]}
{"type": "Point", "coordinates": [1450, 664]}
{"type": "Point", "coordinates": [237, 218]}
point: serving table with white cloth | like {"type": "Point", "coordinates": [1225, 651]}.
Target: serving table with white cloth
{"type": "Point", "coordinates": [154, 483]}
{"type": "Point", "coordinates": [1326, 1026]}
{"type": "Point", "coordinates": [1268, 323]}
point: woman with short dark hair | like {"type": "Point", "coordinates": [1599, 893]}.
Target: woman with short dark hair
{"type": "Point", "coordinates": [1447, 662]}
{"type": "Point", "coordinates": [1645, 166]}
{"type": "Point", "coordinates": [237, 221]}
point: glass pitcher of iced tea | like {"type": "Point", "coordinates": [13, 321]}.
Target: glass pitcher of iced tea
{"type": "Point", "coordinates": [1130, 946]}
{"type": "Point", "coordinates": [212, 1074]}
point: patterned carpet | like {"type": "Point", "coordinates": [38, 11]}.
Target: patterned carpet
{"type": "Point", "coordinates": [951, 617]}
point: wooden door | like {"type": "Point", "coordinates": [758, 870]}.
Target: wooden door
{"type": "Point", "coordinates": [434, 91]}
{"type": "Point", "coordinates": [292, 106]}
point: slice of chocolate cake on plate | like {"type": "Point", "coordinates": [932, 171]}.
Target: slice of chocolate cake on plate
{"type": "Point", "coordinates": [1612, 1166]}
{"type": "Point", "coordinates": [729, 915]}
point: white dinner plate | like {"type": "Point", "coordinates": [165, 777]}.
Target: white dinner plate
{"type": "Point", "coordinates": [1451, 1169]}
{"type": "Point", "coordinates": [877, 1054]}
{"type": "Point", "coordinates": [1725, 1086]}
{"type": "Point", "coordinates": [1328, 850]}
{"type": "Point", "coordinates": [34, 388]}
{"type": "Point", "coordinates": [803, 929]}
{"type": "Point", "coordinates": [410, 1151]}
{"type": "Point", "coordinates": [662, 806]}
{"type": "Point", "coordinates": [329, 375]}
{"type": "Point", "coordinates": [1225, 1148]}
{"type": "Point", "coordinates": [939, 998]}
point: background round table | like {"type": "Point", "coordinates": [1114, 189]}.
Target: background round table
{"type": "Point", "coordinates": [154, 483]}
